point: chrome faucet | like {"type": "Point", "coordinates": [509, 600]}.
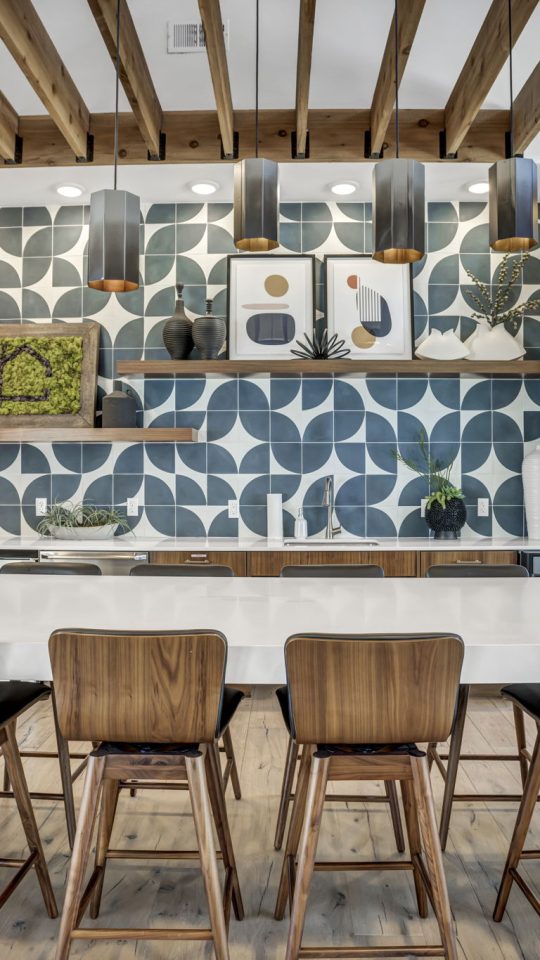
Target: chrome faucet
{"type": "Point", "coordinates": [328, 502]}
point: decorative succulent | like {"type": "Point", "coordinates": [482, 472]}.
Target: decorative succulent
{"type": "Point", "coordinates": [70, 515]}
{"type": "Point", "coordinates": [319, 347]}
{"type": "Point", "coordinates": [435, 472]}
{"type": "Point", "coordinates": [493, 307]}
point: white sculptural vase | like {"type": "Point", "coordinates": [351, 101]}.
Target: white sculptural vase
{"type": "Point", "coordinates": [493, 343]}
{"type": "Point", "coordinates": [442, 346]}
{"type": "Point", "coordinates": [531, 492]}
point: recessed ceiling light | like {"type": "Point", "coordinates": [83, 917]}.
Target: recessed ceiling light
{"type": "Point", "coordinates": [204, 188]}
{"type": "Point", "coordinates": [69, 190]}
{"type": "Point", "coordinates": [479, 186]}
{"type": "Point", "coordinates": [342, 189]}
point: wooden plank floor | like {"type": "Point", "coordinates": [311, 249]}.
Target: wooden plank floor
{"type": "Point", "coordinates": [367, 908]}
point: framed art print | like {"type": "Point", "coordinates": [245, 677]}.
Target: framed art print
{"type": "Point", "coordinates": [369, 304]}
{"type": "Point", "coordinates": [270, 304]}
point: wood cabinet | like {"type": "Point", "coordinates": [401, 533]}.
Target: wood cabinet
{"type": "Point", "coordinates": [232, 558]}
{"type": "Point", "coordinates": [398, 563]}
{"type": "Point", "coordinates": [428, 558]}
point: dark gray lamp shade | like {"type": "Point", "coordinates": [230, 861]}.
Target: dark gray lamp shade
{"type": "Point", "coordinates": [513, 205]}
{"type": "Point", "coordinates": [256, 205]}
{"type": "Point", "coordinates": [113, 241]}
{"type": "Point", "coordinates": [398, 211]}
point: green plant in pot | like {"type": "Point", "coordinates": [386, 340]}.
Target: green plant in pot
{"type": "Point", "coordinates": [81, 521]}
{"type": "Point", "coordinates": [446, 512]}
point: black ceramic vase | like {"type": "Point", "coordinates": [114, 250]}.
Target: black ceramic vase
{"type": "Point", "coordinates": [209, 334]}
{"type": "Point", "coordinates": [446, 522]}
{"type": "Point", "coordinates": [178, 330]}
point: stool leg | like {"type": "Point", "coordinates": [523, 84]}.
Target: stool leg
{"type": "Point", "coordinates": [109, 802]}
{"type": "Point", "coordinates": [415, 844]}
{"type": "Point", "coordinates": [521, 738]}
{"type": "Point", "coordinates": [454, 754]}
{"type": "Point", "coordinates": [198, 792]}
{"type": "Point", "coordinates": [286, 790]}
{"type": "Point", "coordinates": [306, 856]}
{"type": "Point", "coordinates": [229, 753]}
{"type": "Point", "coordinates": [526, 810]}
{"type": "Point", "coordinates": [14, 768]}
{"type": "Point", "coordinates": [81, 852]}
{"type": "Point", "coordinates": [391, 793]}
{"type": "Point", "coordinates": [219, 809]}
{"type": "Point", "coordinates": [295, 829]}
{"type": "Point", "coordinates": [433, 854]}
{"type": "Point", "coordinates": [65, 774]}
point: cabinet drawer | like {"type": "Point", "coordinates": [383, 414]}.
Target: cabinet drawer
{"type": "Point", "coordinates": [429, 558]}
{"type": "Point", "coordinates": [234, 559]}
{"type": "Point", "coordinates": [400, 563]}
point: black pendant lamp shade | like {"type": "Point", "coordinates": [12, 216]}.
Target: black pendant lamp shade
{"type": "Point", "coordinates": [256, 205]}
{"type": "Point", "coordinates": [113, 241]}
{"type": "Point", "coordinates": [398, 211]}
{"type": "Point", "coordinates": [513, 205]}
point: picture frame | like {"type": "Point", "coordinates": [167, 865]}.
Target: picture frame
{"type": "Point", "coordinates": [89, 335]}
{"type": "Point", "coordinates": [357, 286]}
{"type": "Point", "coordinates": [270, 304]}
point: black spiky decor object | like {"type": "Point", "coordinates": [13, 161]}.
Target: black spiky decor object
{"type": "Point", "coordinates": [319, 347]}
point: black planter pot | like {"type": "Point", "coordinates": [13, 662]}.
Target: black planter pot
{"type": "Point", "coordinates": [446, 522]}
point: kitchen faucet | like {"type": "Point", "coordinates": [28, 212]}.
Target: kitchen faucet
{"type": "Point", "coordinates": [328, 502]}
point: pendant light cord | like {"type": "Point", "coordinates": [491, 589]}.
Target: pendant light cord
{"type": "Point", "coordinates": [116, 93]}
{"type": "Point", "coordinates": [511, 79]}
{"type": "Point", "coordinates": [257, 79]}
{"type": "Point", "coordinates": [396, 43]}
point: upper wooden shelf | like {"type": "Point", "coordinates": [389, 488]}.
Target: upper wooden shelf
{"type": "Point", "coordinates": [194, 368]}
{"type": "Point", "coordinates": [97, 434]}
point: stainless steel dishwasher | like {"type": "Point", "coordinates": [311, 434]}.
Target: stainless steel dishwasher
{"type": "Point", "coordinates": [112, 563]}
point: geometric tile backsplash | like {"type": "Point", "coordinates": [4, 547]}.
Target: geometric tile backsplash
{"type": "Point", "coordinates": [261, 434]}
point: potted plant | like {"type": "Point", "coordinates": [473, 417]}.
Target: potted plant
{"type": "Point", "coordinates": [81, 521]}
{"type": "Point", "coordinates": [497, 322]}
{"type": "Point", "coordinates": [445, 510]}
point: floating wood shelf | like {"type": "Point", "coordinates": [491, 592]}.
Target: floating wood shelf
{"type": "Point", "coordinates": [198, 368]}
{"type": "Point", "coordinates": [97, 435]}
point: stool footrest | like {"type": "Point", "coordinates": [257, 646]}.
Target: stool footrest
{"type": "Point", "coordinates": [357, 953]}
{"type": "Point", "coordinates": [23, 867]}
{"type": "Point", "coordinates": [157, 855]}
{"type": "Point", "coordinates": [327, 866]}
{"type": "Point", "coordinates": [141, 933]}
{"type": "Point", "coordinates": [525, 888]}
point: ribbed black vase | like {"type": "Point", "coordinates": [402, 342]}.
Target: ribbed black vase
{"type": "Point", "coordinates": [446, 522]}
{"type": "Point", "coordinates": [178, 330]}
{"type": "Point", "coordinates": [209, 334]}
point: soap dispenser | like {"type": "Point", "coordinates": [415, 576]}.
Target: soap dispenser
{"type": "Point", "coordinates": [300, 526]}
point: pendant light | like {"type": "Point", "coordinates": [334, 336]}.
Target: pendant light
{"type": "Point", "coordinates": [256, 189]}
{"type": "Point", "coordinates": [513, 190]}
{"type": "Point", "coordinates": [398, 199]}
{"type": "Point", "coordinates": [113, 238]}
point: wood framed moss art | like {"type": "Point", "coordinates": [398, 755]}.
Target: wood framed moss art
{"type": "Point", "coordinates": [48, 374]}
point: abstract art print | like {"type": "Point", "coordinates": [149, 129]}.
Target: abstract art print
{"type": "Point", "coordinates": [271, 303]}
{"type": "Point", "coordinates": [369, 304]}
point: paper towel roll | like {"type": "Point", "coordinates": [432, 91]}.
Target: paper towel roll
{"type": "Point", "coordinates": [274, 516]}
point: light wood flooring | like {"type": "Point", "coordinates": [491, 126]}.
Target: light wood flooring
{"type": "Point", "coordinates": [369, 908]}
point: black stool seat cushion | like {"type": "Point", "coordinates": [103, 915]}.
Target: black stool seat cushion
{"type": "Point", "coordinates": [282, 695]}
{"type": "Point", "coordinates": [526, 695]}
{"type": "Point", "coordinates": [17, 695]}
{"type": "Point", "coordinates": [232, 699]}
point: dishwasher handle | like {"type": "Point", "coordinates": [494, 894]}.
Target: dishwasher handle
{"type": "Point", "coordinates": [52, 555]}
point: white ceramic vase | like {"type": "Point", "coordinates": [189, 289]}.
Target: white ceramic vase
{"type": "Point", "coordinates": [442, 346]}
{"type": "Point", "coordinates": [531, 491]}
{"type": "Point", "coordinates": [493, 343]}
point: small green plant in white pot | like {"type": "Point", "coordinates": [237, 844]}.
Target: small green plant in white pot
{"type": "Point", "coordinates": [81, 521]}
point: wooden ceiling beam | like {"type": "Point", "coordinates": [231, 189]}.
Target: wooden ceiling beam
{"type": "Point", "coordinates": [527, 112]}
{"type": "Point", "coordinates": [306, 27]}
{"type": "Point", "coordinates": [29, 43]}
{"type": "Point", "coordinates": [9, 130]}
{"type": "Point", "coordinates": [486, 59]}
{"type": "Point", "coordinates": [134, 73]}
{"type": "Point", "coordinates": [384, 98]}
{"type": "Point", "coordinates": [217, 61]}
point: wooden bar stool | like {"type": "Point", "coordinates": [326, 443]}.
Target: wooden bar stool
{"type": "Point", "coordinates": [154, 702]}
{"type": "Point", "coordinates": [525, 697]}
{"type": "Point", "coordinates": [454, 755]}
{"type": "Point", "coordinates": [332, 570]}
{"type": "Point", "coordinates": [62, 753]}
{"type": "Point", "coordinates": [358, 705]}
{"type": "Point", "coordinates": [16, 698]}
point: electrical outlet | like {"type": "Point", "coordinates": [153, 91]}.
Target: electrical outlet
{"type": "Point", "coordinates": [423, 506]}
{"type": "Point", "coordinates": [482, 507]}
{"type": "Point", "coordinates": [132, 504]}
{"type": "Point", "coordinates": [234, 509]}
{"type": "Point", "coordinates": [41, 506]}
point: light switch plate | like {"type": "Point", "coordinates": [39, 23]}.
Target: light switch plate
{"type": "Point", "coordinates": [482, 507]}
{"type": "Point", "coordinates": [132, 506]}
{"type": "Point", "coordinates": [234, 509]}
{"type": "Point", "coordinates": [41, 506]}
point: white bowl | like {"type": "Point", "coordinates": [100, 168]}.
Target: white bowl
{"type": "Point", "coordinates": [83, 533]}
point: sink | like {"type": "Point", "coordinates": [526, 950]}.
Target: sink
{"type": "Point", "coordinates": [336, 542]}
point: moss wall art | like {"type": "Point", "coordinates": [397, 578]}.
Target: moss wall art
{"type": "Point", "coordinates": [40, 375]}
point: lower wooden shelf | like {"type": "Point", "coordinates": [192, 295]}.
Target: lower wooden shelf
{"type": "Point", "coordinates": [97, 434]}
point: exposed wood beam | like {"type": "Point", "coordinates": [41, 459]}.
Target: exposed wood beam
{"type": "Point", "coordinates": [217, 60]}
{"type": "Point", "coordinates": [303, 72]}
{"type": "Point", "coordinates": [482, 67]}
{"type": "Point", "coordinates": [527, 112]}
{"type": "Point", "coordinates": [9, 129]}
{"type": "Point", "coordinates": [384, 98]}
{"type": "Point", "coordinates": [134, 72]}
{"type": "Point", "coordinates": [29, 43]}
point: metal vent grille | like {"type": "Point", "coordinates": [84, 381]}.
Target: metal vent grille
{"type": "Point", "coordinates": [189, 37]}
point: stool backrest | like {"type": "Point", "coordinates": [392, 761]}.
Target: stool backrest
{"type": "Point", "coordinates": [476, 570]}
{"type": "Point", "coordinates": [395, 688]}
{"type": "Point", "coordinates": [53, 569]}
{"type": "Point", "coordinates": [343, 570]}
{"type": "Point", "coordinates": [181, 570]}
{"type": "Point", "coordinates": [138, 687]}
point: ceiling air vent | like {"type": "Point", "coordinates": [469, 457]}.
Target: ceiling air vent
{"type": "Point", "coordinates": [189, 37]}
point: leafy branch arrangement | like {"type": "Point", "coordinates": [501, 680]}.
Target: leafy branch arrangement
{"type": "Point", "coordinates": [435, 472]}
{"type": "Point", "coordinates": [75, 515]}
{"type": "Point", "coordinates": [493, 308]}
